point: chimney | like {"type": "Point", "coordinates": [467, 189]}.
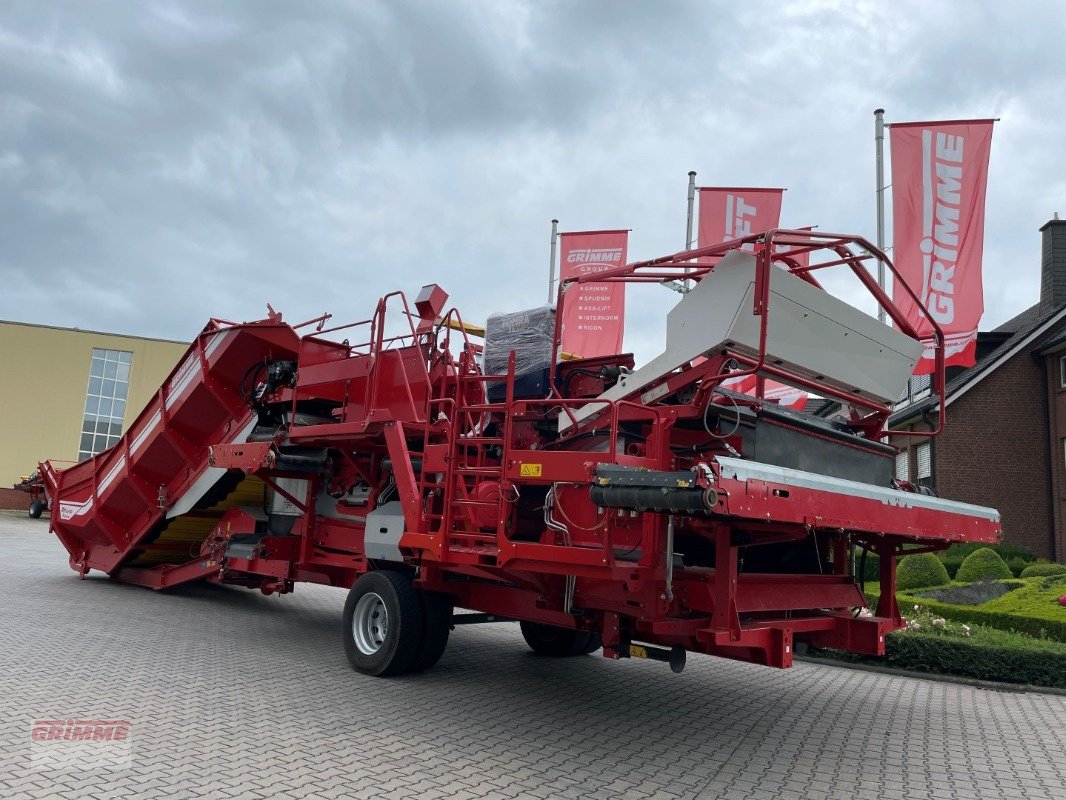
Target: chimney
{"type": "Point", "coordinates": [1053, 265]}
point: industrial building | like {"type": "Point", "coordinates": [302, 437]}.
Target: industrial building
{"type": "Point", "coordinates": [70, 393]}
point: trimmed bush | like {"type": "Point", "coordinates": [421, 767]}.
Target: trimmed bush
{"type": "Point", "coordinates": [1034, 662]}
{"type": "Point", "coordinates": [919, 571]}
{"type": "Point", "coordinates": [1016, 556]}
{"type": "Point", "coordinates": [1017, 565]}
{"type": "Point", "coordinates": [1016, 618]}
{"type": "Point", "coordinates": [873, 566]}
{"type": "Point", "coordinates": [983, 653]}
{"type": "Point", "coordinates": [1043, 570]}
{"type": "Point", "coordinates": [983, 565]}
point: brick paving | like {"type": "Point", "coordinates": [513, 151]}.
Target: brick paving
{"type": "Point", "coordinates": [235, 695]}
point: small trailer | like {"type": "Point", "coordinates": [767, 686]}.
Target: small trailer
{"type": "Point", "coordinates": [647, 511]}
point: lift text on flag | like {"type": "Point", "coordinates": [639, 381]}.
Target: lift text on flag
{"type": "Point", "coordinates": [734, 212]}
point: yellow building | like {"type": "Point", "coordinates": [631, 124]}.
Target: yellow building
{"type": "Point", "coordinates": [66, 394]}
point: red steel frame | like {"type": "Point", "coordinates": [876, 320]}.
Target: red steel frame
{"type": "Point", "coordinates": [496, 505]}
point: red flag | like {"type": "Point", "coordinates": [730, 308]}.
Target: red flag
{"type": "Point", "coordinates": [592, 312]}
{"type": "Point", "coordinates": [803, 259]}
{"type": "Point", "coordinates": [788, 396]}
{"type": "Point", "coordinates": [731, 213]}
{"type": "Point", "coordinates": [939, 175]}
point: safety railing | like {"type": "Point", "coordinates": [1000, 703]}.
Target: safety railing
{"type": "Point", "coordinates": [785, 247]}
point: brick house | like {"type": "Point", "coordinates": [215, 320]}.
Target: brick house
{"type": "Point", "coordinates": [1004, 444]}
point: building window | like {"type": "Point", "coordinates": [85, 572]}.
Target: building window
{"type": "Point", "coordinates": [925, 464]}
{"type": "Point", "coordinates": [1062, 372]}
{"type": "Point", "coordinates": [903, 465]}
{"type": "Point", "coordinates": [105, 401]}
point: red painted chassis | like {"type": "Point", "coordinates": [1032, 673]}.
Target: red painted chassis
{"type": "Point", "coordinates": [496, 504]}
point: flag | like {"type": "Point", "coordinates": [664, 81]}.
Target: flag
{"type": "Point", "coordinates": [732, 213]}
{"type": "Point", "coordinates": [593, 313]}
{"type": "Point", "coordinates": [787, 396]}
{"type": "Point", "coordinates": [939, 176]}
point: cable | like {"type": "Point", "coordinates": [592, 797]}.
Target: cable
{"type": "Point", "coordinates": [736, 422]}
{"type": "Point", "coordinates": [568, 521]}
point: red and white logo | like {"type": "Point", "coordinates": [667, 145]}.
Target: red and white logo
{"type": "Point", "coordinates": [593, 313]}
{"type": "Point", "coordinates": [79, 745]}
{"type": "Point", "coordinates": [939, 178]}
{"type": "Point", "coordinates": [733, 213]}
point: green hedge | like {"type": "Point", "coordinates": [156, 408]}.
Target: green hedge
{"type": "Point", "coordinates": [919, 571]}
{"type": "Point", "coordinates": [873, 566]}
{"type": "Point", "coordinates": [983, 565]}
{"type": "Point", "coordinates": [1043, 570]}
{"type": "Point", "coordinates": [1036, 665]}
{"type": "Point", "coordinates": [1000, 620]}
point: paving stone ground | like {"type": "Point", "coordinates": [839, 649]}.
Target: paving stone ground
{"type": "Point", "coordinates": [231, 694]}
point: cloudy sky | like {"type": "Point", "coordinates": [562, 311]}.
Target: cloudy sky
{"type": "Point", "coordinates": [164, 162]}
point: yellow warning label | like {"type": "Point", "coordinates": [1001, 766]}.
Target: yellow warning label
{"type": "Point", "coordinates": [636, 651]}
{"type": "Point", "coordinates": [531, 470]}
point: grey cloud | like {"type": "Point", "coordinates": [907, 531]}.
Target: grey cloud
{"type": "Point", "coordinates": [168, 161]}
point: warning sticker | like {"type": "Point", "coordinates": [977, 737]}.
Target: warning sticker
{"type": "Point", "coordinates": [531, 470]}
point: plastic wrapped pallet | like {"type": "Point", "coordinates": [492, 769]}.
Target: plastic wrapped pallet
{"type": "Point", "coordinates": [529, 334]}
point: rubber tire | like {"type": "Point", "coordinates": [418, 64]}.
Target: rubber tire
{"type": "Point", "coordinates": [550, 640]}
{"type": "Point", "coordinates": [437, 610]}
{"type": "Point", "coordinates": [595, 643]}
{"type": "Point", "coordinates": [36, 507]}
{"type": "Point", "coordinates": [406, 624]}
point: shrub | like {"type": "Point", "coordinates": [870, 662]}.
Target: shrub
{"type": "Point", "coordinates": [1014, 659]}
{"type": "Point", "coordinates": [984, 564]}
{"type": "Point", "coordinates": [1043, 570]}
{"type": "Point", "coordinates": [1016, 556]}
{"type": "Point", "coordinates": [937, 646]}
{"type": "Point", "coordinates": [1017, 565]}
{"type": "Point", "coordinates": [1032, 610]}
{"type": "Point", "coordinates": [919, 571]}
{"type": "Point", "coordinates": [873, 566]}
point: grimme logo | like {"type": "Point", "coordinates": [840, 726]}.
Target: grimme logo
{"type": "Point", "coordinates": [590, 255]}
{"type": "Point", "coordinates": [942, 177]}
{"type": "Point", "coordinates": [80, 730]}
{"type": "Point", "coordinates": [80, 745]}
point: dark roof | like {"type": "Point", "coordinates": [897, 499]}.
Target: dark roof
{"type": "Point", "coordinates": [984, 365]}
{"type": "Point", "coordinates": [1023, 320]}
{"type": "Point", "coordinates": [1054, 341]}
{"type": "Point", "coordinates": [818, 406]}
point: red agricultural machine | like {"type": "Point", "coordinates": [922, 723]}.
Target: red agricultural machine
{"type": "Point", "coordinates": [33, 485]}
{"type": "Point", "coordinates": [645, 510]}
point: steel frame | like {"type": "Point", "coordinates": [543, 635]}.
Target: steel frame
{"type": "Point", "coordinates": [495, 502]}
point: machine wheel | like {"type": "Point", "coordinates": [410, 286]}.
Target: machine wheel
{"type": "Point", "coordinates": [595, 643]}
{"type": "Point", "coordinates": [383, 623]}
{"type": "Point", "coordinates": [437, 609]}
{"type": "Point", "coordinates": [551, 640]}
{"type": "Point", "coordinates": [36, 507]}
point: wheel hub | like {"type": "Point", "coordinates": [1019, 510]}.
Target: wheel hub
{"type": "Point", "coordinates": [370, 623]}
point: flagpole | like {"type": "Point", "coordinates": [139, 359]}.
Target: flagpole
{"type": "Point", "coordinates": [879, 141]}
{"type": "Point", "coordinates": [688, 222]}
{"type": "Point", "coordinates": [691, 203]}
{"type": "Point", "coordinates": [551, 262]}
